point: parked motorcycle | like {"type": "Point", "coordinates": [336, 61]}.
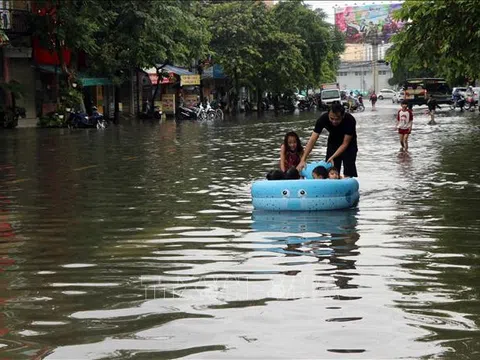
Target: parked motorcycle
{"type": "Point", "coordinates": [150, 113]}
{"type": "Point", "coordinates": [356, 105]}
{"type": "Point", "coordinates": [81, 120]}
{"type": "Point", "coordinates": [186, 113]}
{"type": "Point", "coordinates": [457, 102]}
{"type": "Point", "coordinates": [9, 116]}
{"type": "Point", "coordinates": [306, 104]}
{"type": "Point", "coordinates": [470, 103]}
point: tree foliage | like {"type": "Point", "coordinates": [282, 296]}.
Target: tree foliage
{"type": "Point", "coordinates": [408, 68]}
{"type": "Point", "coordinates": [252, 48]}
{"type": "Point", "coordinates": [284, 48]}
{"type": "Point", "coordinates": [118, 35]}
{"type": "Point", "coordinates": [322, 43]}
{"type": "Point", "coordinates": [442, 35]}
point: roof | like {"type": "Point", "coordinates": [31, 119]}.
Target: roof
{"type": "Point", "coordinates": [86, 80]}
{"type": "Point", "coordinates": [171, 69]}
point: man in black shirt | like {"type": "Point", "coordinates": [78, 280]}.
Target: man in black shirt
{"type": "Point", "coordinates": [342, 140]}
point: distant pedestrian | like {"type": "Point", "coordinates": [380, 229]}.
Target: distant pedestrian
{"type": "Point", "coordinates": [432, 105]}
{"type": "Point", "coordinates": [373, 100]}
{"type": "Point", "coordinates": [404, 124]}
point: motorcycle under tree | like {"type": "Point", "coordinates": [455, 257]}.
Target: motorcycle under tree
{"type": "Point", "coordinates": [9, 115]}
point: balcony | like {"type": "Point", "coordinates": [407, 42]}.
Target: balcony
{"type": "Point", "coordinates": [15, 22]}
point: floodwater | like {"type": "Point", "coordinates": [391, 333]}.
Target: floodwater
{"type": "Point", "coordinates": [140, 241]}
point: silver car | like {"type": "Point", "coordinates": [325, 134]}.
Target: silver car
{"type": "Point", "coordinates": [386, 94]}
{"type": "Point", "coordinates": [398, 97]}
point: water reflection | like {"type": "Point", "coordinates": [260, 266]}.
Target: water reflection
{"type": "Point", "coordinates": [140, 241]}
{"type": "Point", "coordinates": [326, 235]}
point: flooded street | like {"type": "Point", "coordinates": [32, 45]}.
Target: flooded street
{"type": "Point", "coordinates": [140, 241]}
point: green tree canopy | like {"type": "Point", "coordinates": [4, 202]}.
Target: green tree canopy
{"type": "Point", "coordinates": [442, 35]}
{"type": "Point", "coordinates": [119, 35]}
{"type": "Point", "coordinates": [252, 48]}
{"type": "Point", "coordinates": [323, 44]}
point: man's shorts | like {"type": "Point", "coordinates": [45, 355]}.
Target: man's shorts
{"type": "Point", "coordinates": [404, 131]}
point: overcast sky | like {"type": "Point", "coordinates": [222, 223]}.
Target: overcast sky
{"type": "Point", "coordinates": [328, 6]}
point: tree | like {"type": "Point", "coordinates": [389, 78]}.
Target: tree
{"type": "Point", "coordinates": [443, 35]}
{"type": "Point", "coordinates": [322, 43]}
{"type": "Point", "coordinates": [408, 68]}
{"type": "Point", "coordinates": [120, 35]}
{"type": "Point", "coordinates": [148, 33]}
{"type": "Point", "coordinates": [237, 29]}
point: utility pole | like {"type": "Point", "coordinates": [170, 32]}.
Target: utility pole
{"type": "Point", "coordinates": [375, 65]}
{"type": "Point", "coordinates": [373, 39]}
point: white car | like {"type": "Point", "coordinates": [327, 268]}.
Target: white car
{"type": "Point", "coordinates": [398, 97]}
{"type": "Point", "coordinates": [462, 91]}
{"type": "Point", "coordinates": [386, 94]}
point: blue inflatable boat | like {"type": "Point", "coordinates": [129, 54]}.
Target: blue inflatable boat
{"type": "Point", "coordinates": [305, 194]}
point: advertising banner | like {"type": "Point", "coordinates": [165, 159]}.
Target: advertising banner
{"type": "Point", "coordinates": [190, 100]}
{"type": "Point", "coordinates": [168, 103]}
{"type": "Point", "coordinates": [365, 23]}
{"type": "Point", "coordinates": [165, 80]}
{"type": "Point", "coordinates": [186, 80]}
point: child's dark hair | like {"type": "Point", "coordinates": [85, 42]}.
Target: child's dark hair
{"type": "Point", "coordinates": [333, 168]}
{"type": "Point", "coordinates": [275, 175]}
{"type": "Point", "coordinates": [404, 102]}
{"type": "Point", "coordinates": [295, 135]}
{"type": "Point", "coordinates": [320, 171]}
{"type": "Point", "coordinates": [292, 174]}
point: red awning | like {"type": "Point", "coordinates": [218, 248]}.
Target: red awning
{"type": "Point", "coordinates": [47, 57]}
{"type": "Point", "coordinates": [166, 80]}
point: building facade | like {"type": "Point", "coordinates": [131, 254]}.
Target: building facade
{"type": "Point", "coordinates": [363, 52]}
{"type": "Point", "coordinates": [359, 75]}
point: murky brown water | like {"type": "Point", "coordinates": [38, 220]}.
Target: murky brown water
{"type": "Point", "coordinates": [140, 242]}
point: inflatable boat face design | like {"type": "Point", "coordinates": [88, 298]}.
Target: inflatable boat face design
{"type": "Point", "coordinates": [306, 194]}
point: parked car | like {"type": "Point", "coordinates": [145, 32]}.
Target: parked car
{"type": "Point", "coordinates": [416, 91]}
{"type": "Point", "coordinates": [386, 94]}
{"type": "Point", "coordinates": [398, 97]}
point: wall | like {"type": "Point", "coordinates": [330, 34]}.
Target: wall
{"type": "Point", "coordinates": [21, 70]}
{"type": "Point", "coordinates": [359, 75]}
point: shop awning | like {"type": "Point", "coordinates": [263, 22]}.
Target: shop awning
{"type": "Point", "coordinates": [86, 80]}
{"type": "Point", "coordinates": [171, 70]}
{"type": "Point", "coordinates": [95, 81]}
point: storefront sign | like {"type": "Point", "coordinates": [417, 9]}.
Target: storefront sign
{"type": "Point", "coordinates": [189, 80]}
{"type": "Point", "coordinates": [190, 100]}
{"type": "Point", "coordinates": [168, 103]}
{"type": "Point", "coordinates": [165, 80]}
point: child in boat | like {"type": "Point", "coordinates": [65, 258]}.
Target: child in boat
{"type": "Point", "coordinates": [292, 174]}
{"type": "Point", "coordinates": [320, 172]}
{"type": "Point", "coordinates": [333, 173]}
{"type": "Point", "coordinates": [291, 151]}
{"type": "Point", "coordinates": [276, 175]}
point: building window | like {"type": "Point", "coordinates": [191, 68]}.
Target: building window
{"type": "Point", "coordinates": [357, 73]}
{"type": "Point", "coordinates": [382, 72]}
{"type": "Point", "coordinates": [342, 73]}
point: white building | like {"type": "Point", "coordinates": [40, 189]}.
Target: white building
{"type": "Point", "coordinates": [359, 75]}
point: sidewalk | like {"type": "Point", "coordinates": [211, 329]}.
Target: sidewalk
{"type": "Point", "coordinates": [26, 123]}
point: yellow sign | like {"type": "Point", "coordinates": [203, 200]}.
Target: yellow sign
{"type": "Point", "coordinates": [190, 100]}
{"type": "Point", "coordinates": [189, 80]}
{"type": "Point", "coordinates": [168, 103]}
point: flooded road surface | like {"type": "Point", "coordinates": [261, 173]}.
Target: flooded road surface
{"type": "Point", "coordinates": [140, 242]}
